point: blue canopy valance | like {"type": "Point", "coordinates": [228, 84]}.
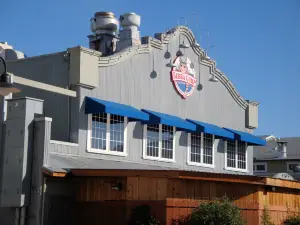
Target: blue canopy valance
{"type": "Point", "coordinates": [212, 129]}
{"type": "Point", "coordinates": [95, 105]}
{"type": "Point", "coordinates": [161, 118]}
{"type": "Point", "coordinates": [249, 138]}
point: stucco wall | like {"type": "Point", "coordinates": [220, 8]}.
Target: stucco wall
{"type": "Point", "coordinates": [51, 69]}
{"type": "Point", "coordinates": [277, 166]}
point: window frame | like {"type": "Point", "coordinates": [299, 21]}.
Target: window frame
{"type": "Point", "coordinates": [260, 163]}
{"type": "Point", "coordinates": [288, 166]}
{"type": "Point", "coordinates": [159, 158]}
{"type": "Point", "coordinates": [236, 158]}
{"type": "Point", "coordinates": [107, 151]}
{"type": "Point", "coordinates": [201, 164]}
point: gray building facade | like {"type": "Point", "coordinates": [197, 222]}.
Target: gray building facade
{"type": "Point", "coordinates": [278, 158]}
{"type": "Point", "coordinates": [48, 127]}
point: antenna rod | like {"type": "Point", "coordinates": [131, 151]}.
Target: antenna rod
{"type": "Point", "coordinates": [180, 19]}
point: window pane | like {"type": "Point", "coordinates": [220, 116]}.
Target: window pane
{"type": "Point", "coordinates": [196, 147]}
{"type": "Point", "coordinates": [98, 140]}
{"type": "Point", "coordinates": [167, 142]}
{"type": "Point", "coordinates": [260, 167]}
{"type": "Point", "coordinates": [292, 166]}
{"type": "Point", "coordinates": [241, 157]}
{"type": "Point", "coordinates": [231, 154]}
{"type": "Point", "coordinates": [152, 140]}
{"type": "Point", "coordinates": [117, 127]}
{"type": "Point", "coordinates": [208, 148]}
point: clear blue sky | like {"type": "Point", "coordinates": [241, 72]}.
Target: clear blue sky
{"type": "Point", "coordinates": [257, 41]}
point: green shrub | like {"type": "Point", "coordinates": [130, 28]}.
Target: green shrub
{"type": "Point", "coordinates": [265, 217]}
{"type": "Point", "coordinates": [218, 212]}
{"type": "Point", "coordinates": [141, 216]}
{"type": "Point", "coordinates": [292, 220]}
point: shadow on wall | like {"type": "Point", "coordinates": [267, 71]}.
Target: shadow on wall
{"type": "Point", "coordinates": [183, 139]}
{"type": "Point", "coordinates": [83, 118]}
{"type": "Point", "coordinates": [138, 130]}
{"type": "Point", "coordinates": [60, 202]}
{"type": "Point", "coordinates": [221, 146]}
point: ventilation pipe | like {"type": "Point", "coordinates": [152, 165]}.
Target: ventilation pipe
{"type": "Point", "coordinates": [104, 26]}
{"type": "Point", "coordinates": [130, 34]}
{"type": "Point", "coordinates": [282, 147]}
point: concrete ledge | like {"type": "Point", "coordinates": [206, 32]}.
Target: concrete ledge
{"type": "Point", "coordinates": [39, 119]}
{"type": "Point", "coordinates": [22, 98]}
{"type": "Point", "coordinates": [63, 143]}
{"type": "Point", "coordinates": [43, 86]}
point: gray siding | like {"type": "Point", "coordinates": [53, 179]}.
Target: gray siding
{"type": "Point", "coordinates": [62, 148]}
{"type": "Point", "coordinates": [51, 69]}
{"type": "Point", "coordinates": [129, 82]}
{"type": "Point", "coordinates": [17, 151]}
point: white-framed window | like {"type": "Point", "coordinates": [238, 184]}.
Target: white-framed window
{"type": "Point", "coordinates": [291, 165]}
{"type": "Point", "coordinates": [200, 149]}
{"type": "Point", "coordinates": [107, 134]}
{"type": "Point", "coordinates": [159, 142]}
{"type": "Point", "coordinates": [260, 167]}
{"type": "Point", "coordinates": [236, 155]}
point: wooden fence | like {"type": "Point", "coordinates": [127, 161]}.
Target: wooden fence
{"type": "Point", "coordinates": [173, 196]}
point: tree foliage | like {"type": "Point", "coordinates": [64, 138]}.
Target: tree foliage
{"type": "Point", "coordinates": [265, 217]}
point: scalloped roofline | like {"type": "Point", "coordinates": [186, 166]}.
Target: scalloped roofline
{"type": "Point", "coordinates": [166, 38]}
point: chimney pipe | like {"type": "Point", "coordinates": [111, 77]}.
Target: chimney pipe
{"type": "Point", "coordinates": [282, 147]}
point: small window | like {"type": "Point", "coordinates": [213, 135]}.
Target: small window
{"type": "Point", "coordinates": [291, 166]}
{"type": "Point", "coordinates": [236, 155]}
{"type": "Point", "coordinates": [107, 133]}
{"type": "Point", "coordinates": [260, 167]}
{"type": "Point", "coordinates": [200, 149]}
{"type": "Point", "coordinates": [159, 142]}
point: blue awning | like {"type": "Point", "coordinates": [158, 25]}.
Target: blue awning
{"type": "Point", "coordinates": [249, 138]}
{"type": "Point", "coordinates": [212, 129]}
{"type": "Point", "coordinates": [95, 105]}
{"type": "Point", "coordinates": [161, 118]}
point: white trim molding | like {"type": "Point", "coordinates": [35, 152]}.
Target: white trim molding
{"type": "Point", "coordinates": [201, 164]}
{"type": "Point", "coordinates": [255, 164]}
{"type": "Point", "coordinates": [159, 158]}
{"type": "Point", "coordinates": [63, 143]}
{"type": "Point", "coordinates": [107, 151]}
{"type": "Point", "coordinates": [236, 169]}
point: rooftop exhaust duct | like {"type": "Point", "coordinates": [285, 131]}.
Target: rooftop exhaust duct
{"type": "Point", "coordinates": [130, 34]}
{"type": "Point", "coordinates": [104, 26]}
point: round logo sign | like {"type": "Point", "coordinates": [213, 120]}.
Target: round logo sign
{"type": "Point", "coordinates": [183, 76]}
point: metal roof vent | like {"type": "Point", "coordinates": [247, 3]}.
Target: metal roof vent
{"type": "Point", "coordinates": [284, 176]}
{"type": "Point", "coordinates": [104, 22]}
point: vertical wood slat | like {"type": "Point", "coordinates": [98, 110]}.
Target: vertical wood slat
{"type": "Point", "coordinates": [100, 189]}
{"type": "Point", "coordinates": [250, 198]}
{"type": "Point", "coordinates": [161, 188]}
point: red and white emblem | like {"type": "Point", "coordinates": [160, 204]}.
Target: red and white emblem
{"type": "Point", "coordinates": [183, 76]}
